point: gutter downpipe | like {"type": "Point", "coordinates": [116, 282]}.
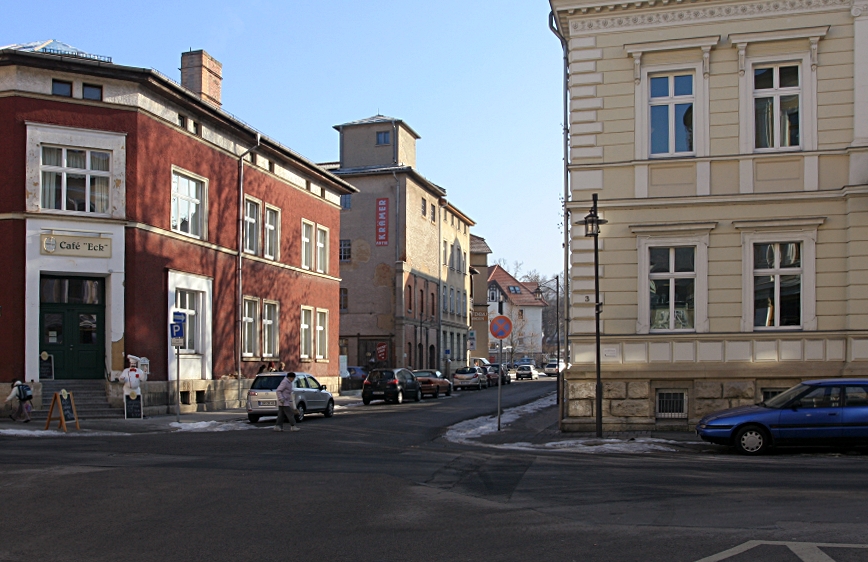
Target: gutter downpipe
{"type": "Point", "coordinates": [239, 309]}
{"type": "Point", "coordinates": [553, 25]}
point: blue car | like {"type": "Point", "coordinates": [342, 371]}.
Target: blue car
{"type": "Point", "coordinates": [818, 412]}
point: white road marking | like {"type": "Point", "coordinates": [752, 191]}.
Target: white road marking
{"type": "Point", "coordinates": [807, 552]}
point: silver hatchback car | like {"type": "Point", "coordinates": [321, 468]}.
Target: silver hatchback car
{"type": "Point", "coordinates": [310, 396]}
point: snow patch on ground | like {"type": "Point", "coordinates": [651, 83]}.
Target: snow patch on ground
{"type": "Point", "coordinates": [55, 433]}
{"type": "Point", "coordinates": [467, 431]}
{"type": "Point", "coordinates": [212, 426]}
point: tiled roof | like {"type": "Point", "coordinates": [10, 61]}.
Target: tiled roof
{"type": "Point", "coordinates": [521, 294]}
{"type": "Point", "coordinates": [478, 245]}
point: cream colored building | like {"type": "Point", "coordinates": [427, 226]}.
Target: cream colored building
{"type": "Point", "coordinates": [405, 280]}
{"type": "Point", "coordinates": [728, 143]}
{"type": "Point", "coordinates": [479, 322]}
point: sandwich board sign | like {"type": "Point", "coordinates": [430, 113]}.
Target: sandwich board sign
{"type": "Point", "coordinates": [62, 404]}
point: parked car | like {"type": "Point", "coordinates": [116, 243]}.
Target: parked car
{"type": "Point", "coordinates": [309, 395]}
{"type": "Point", "coordinates": [816, 412]}
{"type": "Point", "coordinates": [470, 377]}
{"type": "Point", "coordinates": [433, 382]}
{"type": "Point", "coordinates": [357, 373]}
{"type": "Point", "coordinates": [503, 371]}
{"type": "Point", "coordinates": [526, 372]}
{"type": "Point", "coordinates": [554, 368]}
{"type": "Point", "coordinates": [391, 385]}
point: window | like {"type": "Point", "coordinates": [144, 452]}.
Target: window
{"type": "Point", "coordinates": [451, 300]}
{"type": "Point", "coordinates": [346, 201]}
{"type": "Point", "coordinates": [520, 313]}
{"type": "Point", "coordinates": [777, 281]}
{"type": "Point", "coordinates": [322, 250]}
{"type": "Point", "coordinates": [492, 295]}
{"type": "Point", "coordinates": [306, 245]}
{"type": "Point", "coordinates": [409, 298]}
{"type": "Point", "coordinates": [345, 252]}
{"type": "Point", "coordinates": [251, 227]}
{"type": "Point", "coordinates": [464, 304]}
{"type": "Point", "coordinates": [182, 121]}
{"type": "Point", "coordinates": [270, 329]}
{"type": "Point", "coordinates": [671, 114]}
{"type": "Point", "coordinates": [671, 404]}
{"type": "Point", "coordinates": [343, 299]}
{"type": "Point", "coordinates": [187, 205]}
{"type": "Point", "coordinates": [91, 92]}
{"type": "Point", "coordinates": [444, 300]}
{"type": "Point", "coordinates": [306, 332]}
{"type": "Point", "coordinates": [445, 252]}
{"type": "Point", "coordinates": [75, 179]}
{"type": "Point", "coordinates": [322, 331]}
{"type": "Point", "coordinates": [514, 290]}
{"type": "Point", "coordinates": [769, 393]}
{"type": "Point", "coordinates": [188, 302]}
{"type": "Point", "coordinates": [421, 302]}
{"type": "Point", "coordinates": [452, 257]}
{"type": "Point", "coordinates": [464, 262]}
{"type": "Point", "coordinates": [433, 213]}
{"type": "Point", "coordinates": [249, 343]}
{"type": "Point", "coordinates": [61, 88]}
{"type": "Point", "coordinates": [272, 233]}
{"type": "Point", "coordinates": [424, 207]}
{"type": "Point", "coordinates": [433, 305]}
{"type": "Point", "coordinates": [776, 95]}
{"type": "Point", "coordinates": [672, 286]}
{"type": "Point", "coordinates": [383, 137]}
{"type": "Point", "coordinates": [196, 130]}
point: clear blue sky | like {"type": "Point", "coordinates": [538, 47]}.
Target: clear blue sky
{"type": "Point", "coordinates": [479, 81]}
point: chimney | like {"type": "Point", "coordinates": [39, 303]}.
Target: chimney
{"type": "Point", "coordinates": [202, 74]}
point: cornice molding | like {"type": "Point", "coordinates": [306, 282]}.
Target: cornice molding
{"type": "Point", "coordinates": [581, 24]}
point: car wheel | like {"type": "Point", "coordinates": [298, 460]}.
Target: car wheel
{"type": "Point", "coordinates": [330, 409]}
{"type": "Point", "coordinates": [418, 395]}
{"type": "Point", "coordinates": [436, 394]}
{"type": "Point", "coordinates": [366, 400]}
{"type": "Point", "coordinates": [399, 398]}
{"type": "Point", "coordinates": [299, 417]}
{"type": "Point", "coordinates": [253, 418]}
{"type": "Point", "coordinates": [751, 440]}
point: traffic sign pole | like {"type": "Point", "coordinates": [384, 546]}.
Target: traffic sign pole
{"type": "Point", "coordinates": [500, 328]}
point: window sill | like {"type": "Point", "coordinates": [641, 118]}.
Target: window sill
{"type": "Point", "coordinates": [250, 358]}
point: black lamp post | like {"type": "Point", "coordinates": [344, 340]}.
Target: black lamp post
{"type": "Point", "coordinates": [539, 295]}
{"type": "Point", "coordinates": [592, 222]}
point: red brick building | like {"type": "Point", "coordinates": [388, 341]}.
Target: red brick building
{"type": "Point", "coordinates": [126, 197]}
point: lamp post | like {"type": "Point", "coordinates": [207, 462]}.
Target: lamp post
{"type": "Point", "coordinates": [539, 295]}
{"type": "Point", "coordinates": [592, 222]}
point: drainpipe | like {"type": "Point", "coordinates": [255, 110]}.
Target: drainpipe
{"type": "Point", "coordinates": [553, 25]}
{"type": "Point", "coordinates": [441, 203]}
{"type": "Point", "coordinates": [239, 297]}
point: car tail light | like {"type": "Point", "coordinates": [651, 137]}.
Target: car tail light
{"type": "Point", "coordinates": [367, 383]}
{"type": "Point", "coordinates": [252, 393]}
{"type": "Point", "coordinates": [394, 381]}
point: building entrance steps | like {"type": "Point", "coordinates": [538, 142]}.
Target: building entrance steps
{"type": "Point", "coordinates": [90, 397]}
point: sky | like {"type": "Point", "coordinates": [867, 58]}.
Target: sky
{"type": "Point", "coordinates": [480, 82]}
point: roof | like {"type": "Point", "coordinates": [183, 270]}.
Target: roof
{"type": "Point", "coordinates": [57, 55]}
{"type": "Point", "coordinates": [386, 170]}
{"type": "Point", "coordinates": [379, 119]}
{"type": "Point", "coordinates": [478, 245]}
{"type": "Point", "coordinates": [504, 280]}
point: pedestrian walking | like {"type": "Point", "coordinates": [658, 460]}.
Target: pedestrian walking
{"type": "Point", "coordinates": [286, 403]}
{"type": "Point", "coordinates": [23, 395]}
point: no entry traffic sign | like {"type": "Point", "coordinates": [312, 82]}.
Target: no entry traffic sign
{"type": "Point", "coordinates": [500, 327]}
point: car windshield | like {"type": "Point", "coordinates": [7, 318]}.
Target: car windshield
{"type": "Point", "coordinates": [266, 383]}
{"type": "Point", "coordinates": [785, 397]}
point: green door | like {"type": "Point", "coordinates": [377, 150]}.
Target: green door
{"type": "Point", "coordinates": [72, 326]}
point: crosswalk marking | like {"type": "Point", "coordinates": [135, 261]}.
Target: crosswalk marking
{"type": "Point", "coordinates": [806, 551]}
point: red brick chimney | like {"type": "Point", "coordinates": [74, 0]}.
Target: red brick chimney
{"type": "Point", "coordinates": [202, 74]}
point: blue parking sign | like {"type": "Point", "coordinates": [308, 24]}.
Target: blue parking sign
{"type": "Point", "coordinates": [176, 330]}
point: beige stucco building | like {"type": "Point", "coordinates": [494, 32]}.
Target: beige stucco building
{"type": "Point", "coordinates": [405, 279]}
{"type": "Point", "coordinates": [728, 143]}
{"type": "Point", "coordinates": [479, 321]}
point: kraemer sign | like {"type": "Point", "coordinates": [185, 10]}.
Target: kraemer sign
{"type": "Point", "coordinates": [79, 246]}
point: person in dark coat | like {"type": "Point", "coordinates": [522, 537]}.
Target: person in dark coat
{"type": "Point", "coordinates": [286, 403]}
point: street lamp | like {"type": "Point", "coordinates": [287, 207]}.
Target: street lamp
{"type": "Point", "coordinates": [539, 295]}
{"type": "Point", "coordinates": [592, 222]}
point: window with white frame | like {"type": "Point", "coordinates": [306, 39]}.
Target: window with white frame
{"type": "Point", "coordinates": [673, 278]}
{"type": "Point", "coordinates": [307, 245]}
{"type": "Point", "coordinates": [777, 282]}
{"type": "Point", "coordinates": [270, 329]}
{"type": "Point", "coordinates": [306, 333]}
{"type": "Point", "coordinates": [671, 100]}
{"type": "Point", "coordinates": [345, 251]}
{"type": "Point", "coordinates": [672, 288]}
{"type": "Point", "coordinates": [779, 275]}
{"type": "Point", "coordinates": [322, 249]}
{"type": "Point", "coordinates": [189, 302]}
{"type": "Point", "coordinates": [322, 331]}
{"type": "Point", "coordinates": [188, 200]}
{"type": "Point", "coordinates": [272, 233]}
{"type": "Point", "coordinates": [249, 325]}
{"type": "Point", "coordinates": [776, 101]}
{"type": "Point", "coordinates": [251, 226]}
{"type": "Point", "coordinates": [75, 179]}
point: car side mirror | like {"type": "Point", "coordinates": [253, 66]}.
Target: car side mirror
{"type": "Point", "coordinates": [322, 387]}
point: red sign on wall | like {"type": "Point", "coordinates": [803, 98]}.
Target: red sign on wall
{"type": "Point", "coordinates": [382, 222]}
{"type": "Point", "coordinates": [382, 351]}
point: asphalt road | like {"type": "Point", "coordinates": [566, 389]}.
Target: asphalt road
{"type": "Point", "coordinates": [380, 483]}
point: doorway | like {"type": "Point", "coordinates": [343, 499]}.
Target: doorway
{"type": "Point", "coordinates": [72, 325]}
